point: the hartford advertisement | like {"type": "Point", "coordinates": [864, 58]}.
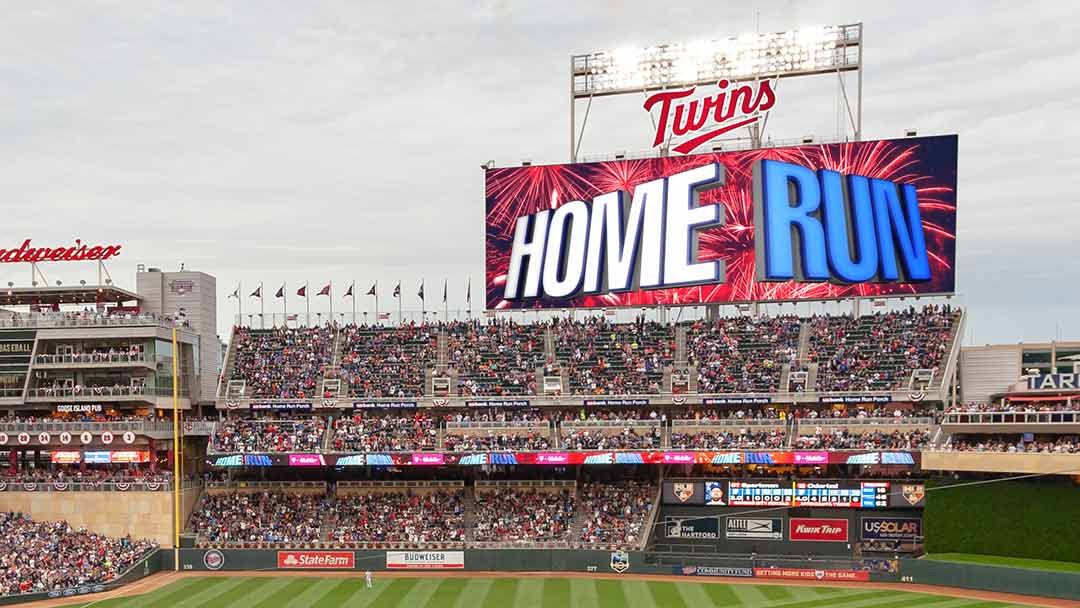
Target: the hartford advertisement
{"type": "Point", "coordinates": [872, 218]}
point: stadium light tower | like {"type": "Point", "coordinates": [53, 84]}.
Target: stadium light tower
{"type": "Point", "coordinates": [810, 51]}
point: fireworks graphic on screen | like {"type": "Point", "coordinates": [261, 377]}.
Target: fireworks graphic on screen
{"type": "Point", "coordinates": [927, 163]}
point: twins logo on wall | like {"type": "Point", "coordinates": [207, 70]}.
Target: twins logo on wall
{"type": "Point", "coordinates": [870, 218]}
{"type": "Point", "coordinates": [620, 561]}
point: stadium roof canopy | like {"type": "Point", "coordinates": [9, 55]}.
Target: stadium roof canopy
{"type": "Point", "coordinates": [75, 294]}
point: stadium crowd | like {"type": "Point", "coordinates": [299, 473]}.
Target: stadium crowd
{"type": "Point", "coordinates": [374, 433]}
{"type": "Point", "coordinates": [238, 435]}
{"type": "Point", "coordinates": [399, 517]}
{"type": "Point", "coordinates": [601, 438]}
{"type": "Point", "coordinates": [1015, 444]}
{"type": "Point", "coordinates": [259, 517]}
{"type": "Point", "coordinates": [282, 363]}
{"type": "Point", "coordinates": [877, 440]}
{"type": "Point", "coordinates": [497, 440]}
{"type": "Point", "coordinates": [381, 361]}
{"type": "Point", "coordinates": [497, 358]}
{"type": "Point", "coordinates": [742, 354]}
{"type": "Point", "coordinates": [613, 514]}
{"type": "Point", "coordinates": [744, 439]}
{"type": "Point", "coordinates": [511, 514]}
{"type": "Point", "coordinates": [51, 555]}
{"type": "Point", "coordinates": [603, 358]}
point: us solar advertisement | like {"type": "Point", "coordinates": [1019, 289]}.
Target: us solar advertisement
{"type": "Point", "coordinates": [869, 219]}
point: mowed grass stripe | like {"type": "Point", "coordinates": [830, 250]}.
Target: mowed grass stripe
{"type": "Point", "coordinates": [242, 590]}
{"type": "Point", "coordinates": [665, 594]}
{"type": "Point", "coordinates": [473, 592]}
{"type": "Point", "coordinates": [175, 593]}
{"type": "Point", "coordinates": [843, 600]}
{"type": "Point", "coordinates": [609, 594]}
{"type": "Point", "coordinates": [912, 599]}
{"type": "Point", "coordinates": [721, 595]}
{"type": "Point", "coordinates": [208, 593]}
{"type": "Point", "coordinates": [774, 593]}
{"type": "Point", "coordinates": [294, 588]}
{"type": "Point", "coordinates": [390, 595]}
{"type": "Point", "coordinates": [448, 592]}
{"type": "Point", "coordinates": [313, 593]}
{"type": "Point", "coordinates": [556, 593]}
{"type": "Point", "coordinates": [500, 593]}
{"type": "Point", "coordinates": [339, 594]}
{"type": "Point", "coordinates": [530, 593]}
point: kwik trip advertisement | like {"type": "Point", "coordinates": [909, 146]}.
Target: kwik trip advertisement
{"type": "Point", "coordinates": [870, 218]}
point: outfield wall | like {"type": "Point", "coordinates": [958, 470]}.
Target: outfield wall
{"type": "Point", "coordinates": [1044, 583]}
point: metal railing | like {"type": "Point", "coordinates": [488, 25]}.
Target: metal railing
{"type": "Point", "coordinates": [89, 358]}
{"type": "Point", "coordinates": [136, 426]}
{"type": "Point", "coordinates": [80, 320]}
{"type": "Point", "coordinates": [97, 392]}
{"type": "Point", "coordinates": [529, 425]}
{"type": "Point", "coordinates": [1064, 417]}
{"type": "Point", "coordinates": [264, 485]}
{"type": "Point", "coordinates": [727, 422]}
{"type": "Point", "coordinates": [14, 484]}
{"type": "Point", "coordinates": [864, 422]}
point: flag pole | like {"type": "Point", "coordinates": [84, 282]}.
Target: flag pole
{"type": "Point", "coordinates": [262, 307]}
{"type": "Point", "coordinates": [240, 302]}
{"type": "Point", "coordinates": [354, 302]}
{"type": "Point", "coordinates": [445, 306]}
{"type": "Point", "coordinates": [307, 299]}
{"type": "Point", "coordinates": [376, 302]}
{"type": "Point", "coordinates": [331, 294]}
{"type": "Point", "coordinates": [284, 304]}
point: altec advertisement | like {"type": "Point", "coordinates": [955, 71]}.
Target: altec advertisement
{"type": "Point", "coordinates": [872, 218]}
{"type": "Point", "coordinates": [818, 530]}
{"type": "Point", "coordinates": [316, 560]}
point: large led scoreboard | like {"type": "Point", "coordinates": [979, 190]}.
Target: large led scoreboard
{"type": "Point", "coordinates": [842, 493]}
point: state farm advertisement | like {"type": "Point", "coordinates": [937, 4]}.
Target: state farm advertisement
{"type": "Point", "coordinates": [425, 560]}
{"type": "Point", "coordinates": [316, 560]}
{"type": "Point", "coordinates": [818, 530]}
{"type": "Point", "coordinates": [807, 574]}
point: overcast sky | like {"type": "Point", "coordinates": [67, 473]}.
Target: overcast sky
{"type": "Point", "coordinates": [297, 141]}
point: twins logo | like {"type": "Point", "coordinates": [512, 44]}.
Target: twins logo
{"type": "Point", "coordinates": [741, 105]}
{"type": "Point", "coordinates": [620, 561]}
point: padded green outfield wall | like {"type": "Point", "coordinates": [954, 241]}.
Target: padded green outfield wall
{"type": "Point", "coordinates": [991, 578]}
{"type": "Point", "coordinates": [1032, 519]}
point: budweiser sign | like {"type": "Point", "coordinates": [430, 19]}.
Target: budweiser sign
{"type": "Point", "coordinates": [819, 530]}
{"type": "Point", "coordinates": [313, 560]}
{"type": "Point", "coordinates": [734, 106]}
{"type": "Point", "coordinates": [64, 253]}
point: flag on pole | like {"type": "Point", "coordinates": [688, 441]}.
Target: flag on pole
{"type": "Point", "coordinates": [468, 292]}
{"type": "Point", "coordinates": [302, 292]}
{"type": "Point", "coordinates": [325, 291]}
{"type": "Point", "coordinates": [420, 294]}
{"type": "Point", "coordinates": [397, 290]}
{"type": "Point", "coordinates": [384, 316]}
{"type": "Point", "coordinates": [371, 291]}
{"type": "Point", "coordinates": [257, 293]}
{"type": "Point", "coordinates": [348, 292]}
{"type": "Point", "coordinates": [444, 291]}
{"type": "Point", "coordinates": [280, 292]}
{"type": "Point", "coordinates": [236, 292]}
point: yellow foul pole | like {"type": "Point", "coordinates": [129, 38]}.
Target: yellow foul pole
{"type": "Point", "coordinates": [176, 450]}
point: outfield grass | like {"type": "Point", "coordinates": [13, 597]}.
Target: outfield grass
{"type": "Point", "coordinates": [1013, 562]}
{"type": "Point", "coordinates": [450, 592]}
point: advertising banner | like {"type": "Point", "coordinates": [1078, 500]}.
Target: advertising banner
{"type": "Point", "coordinates": [692, 527]}
{"type": "Point", "coordinates": [425, 560]}
{"type": "Point", "coordinates": [754, 528]}
{"type": "Point", "coordinates": [713, 571]}
{"type": "Point", "coordinates": [827, 221]}
{"type": "Point", "coordinates": [818, 530]}
{"type": "Point", "coordinates": [891, 528]}
{"type": "Point", "coordinates": [316, 560]}
{"type": "Point", "coordinates": [808, 574]}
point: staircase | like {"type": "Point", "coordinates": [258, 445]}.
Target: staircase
{"type": "Point", "coordinates": [785, 377]}
{"type": "Point", "coordinates": [680, 345]}
{"type": "Point", "coordinates": [442, 358]}
{"type": "Point", "coordinates": [469, 503]}
{"type": "Point", "coordinates": [804, 341]}
{"type": "Point", "coordinates": [578, 524]}
{"type": "Point", "coordinates": [811, 378]}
